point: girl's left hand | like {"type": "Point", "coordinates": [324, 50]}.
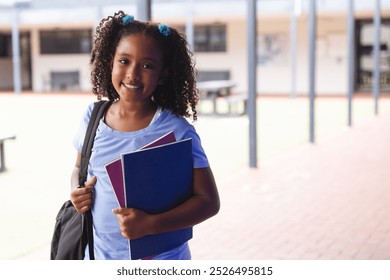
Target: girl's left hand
{"type": "Point", "coordinates": [133, 223]}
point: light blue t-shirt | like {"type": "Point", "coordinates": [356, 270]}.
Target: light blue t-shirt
{"type": "Point", "coordinates": [109, 144]}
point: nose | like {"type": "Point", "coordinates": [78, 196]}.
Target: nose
{"type": "Point", "coordinates": [133, 73]}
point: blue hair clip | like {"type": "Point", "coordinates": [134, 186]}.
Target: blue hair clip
{"type": "Point", "coordinates": [164, 29]}
{"type": "Point", "coordinates": [127, 19]}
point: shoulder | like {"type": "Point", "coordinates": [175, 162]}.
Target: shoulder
{"type": "Point", "coordinates": [172, 117]}
{"type": "Point", "coordinates": [88, 111]}
{"type": "Point", "coordinates": [181, 126]}
{"type": "Point", "coordinates": [80, 134]}
{"type": "Point", "coordinates": [178, 123]}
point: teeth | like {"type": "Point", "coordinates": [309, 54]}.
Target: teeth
{"type": "Point", "coordinates": [132, 86]}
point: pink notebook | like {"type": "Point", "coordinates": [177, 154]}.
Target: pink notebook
{"type": "Point", "coordinates": [115, 173]}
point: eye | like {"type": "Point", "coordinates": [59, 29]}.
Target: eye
{"type": "Point", "coordinates": [123, 61]}
{"type": "Point", "coordinates": [148, 66]}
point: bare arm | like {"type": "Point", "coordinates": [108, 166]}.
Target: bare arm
{"type": "Point", "coordinates": [202, 205]}
{"type": "Point", "coordinates": [74, 180]}
{"type": "Point", "coordinates": [81, 197]}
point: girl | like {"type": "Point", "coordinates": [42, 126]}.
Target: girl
{"type": "Point", "coordinates": [148, 73]}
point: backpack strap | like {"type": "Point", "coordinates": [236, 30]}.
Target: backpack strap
{"type": "Point", "coordinates": [97, 113]}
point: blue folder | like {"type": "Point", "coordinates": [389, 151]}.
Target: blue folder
{"type": "Point", "coordinates": [156, 180]}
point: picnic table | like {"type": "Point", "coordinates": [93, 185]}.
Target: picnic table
{"type": "Point", "coordinates": [213, 90]}
{"type": "Point", "coordinates": [3, 138]}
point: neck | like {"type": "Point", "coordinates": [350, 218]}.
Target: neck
{"type": "Point", "coordinates": [129, 117]}
{"type": "Point", "coordinates": [139, 110]}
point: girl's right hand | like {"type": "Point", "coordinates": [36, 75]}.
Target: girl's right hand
{"type": "Point", "coordinates": [82, 197]}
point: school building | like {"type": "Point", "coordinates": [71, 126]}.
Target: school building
{"type": "Point", "coordinates": [55, 39]}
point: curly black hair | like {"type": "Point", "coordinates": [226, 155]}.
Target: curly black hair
{"type": "Point", "coordinates": [178, 93]}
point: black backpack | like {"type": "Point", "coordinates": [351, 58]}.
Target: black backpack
{"type": "Point", "coordinates": [73, 231]}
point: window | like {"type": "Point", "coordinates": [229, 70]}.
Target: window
{"type": "Point", "coordinates": [65, 41]}
{"type": "Point", "coordinates": [5, 45]}
{"type": "Point", "coordinates": [204, 76]}
{"type": "Point", "coordinates": [65, 80]}
{"type": "Point", "coordinates": [208, 38]}
{"type": "Point", "coordinates": [365, 62]}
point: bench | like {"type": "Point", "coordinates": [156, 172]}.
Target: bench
{"type": "Point", "coordinates": [4, 138]}
{"type": "Point", "coordinates": [234, 102]}
{"type": "Point", "coordinates": [235, 99]}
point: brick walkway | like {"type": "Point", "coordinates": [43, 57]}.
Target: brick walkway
{"type": "Point", "coordinates": [330, 200]}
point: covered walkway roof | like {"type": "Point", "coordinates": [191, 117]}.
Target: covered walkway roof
{"type": "Point", "coordinates": [48, 12]}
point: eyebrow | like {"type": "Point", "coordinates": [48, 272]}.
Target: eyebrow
{"type": "Point", "coordinates": [123, 54]}
{"type": "Point", "coordinates": [147, 57]}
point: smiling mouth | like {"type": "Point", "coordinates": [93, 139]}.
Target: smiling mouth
{"type": "Point", "coordinates": [132, 87]}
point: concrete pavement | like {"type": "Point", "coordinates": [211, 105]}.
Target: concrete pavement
{"type": "Point", "coordinates": [328, 200]}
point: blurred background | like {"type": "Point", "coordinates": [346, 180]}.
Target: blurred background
{"type": "Point", "coordinates": [341, 58]}
{"type": "Point", "coordinates": [55, 40]}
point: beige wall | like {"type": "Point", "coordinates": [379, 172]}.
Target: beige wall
{"type": "Point", "coordinates": [234, 59]}
{"type": "Point", "coordinates": [6, 81]}
{"type": "Point", "coordinates": [273, 78]}
{"type": "Point", "coordinates": [6, 74]}
{"type": "Point", "coordinates": [42, 65]}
